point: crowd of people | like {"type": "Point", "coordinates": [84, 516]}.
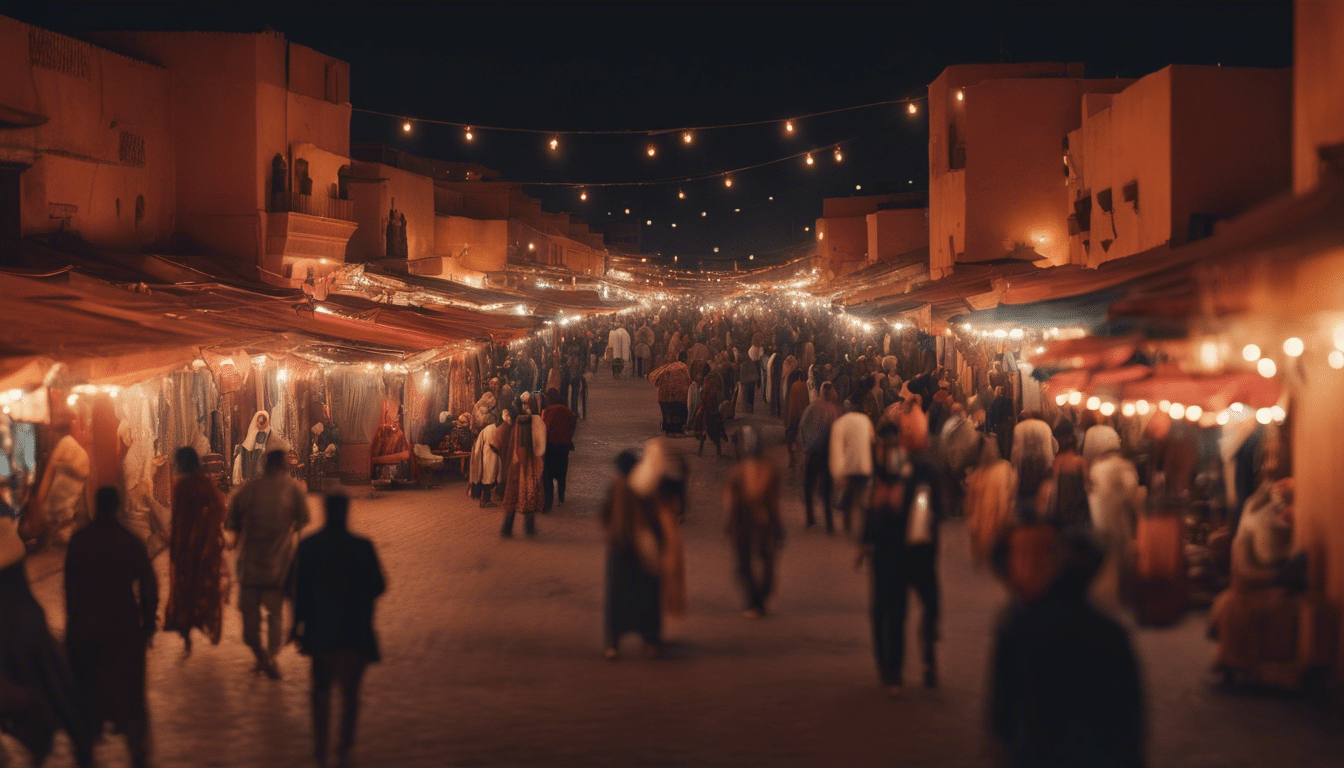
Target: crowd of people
{"type": "Point", "coordinates": [897, 432]}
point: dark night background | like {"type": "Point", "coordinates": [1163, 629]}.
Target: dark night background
{"type": "Point", "coordinates": [618, 67]}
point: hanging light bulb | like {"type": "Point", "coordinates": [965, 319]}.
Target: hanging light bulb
{"type": "Point", "coordinates": [1075, 397]}
{"type": "Point", "coordinates": [469, 135]}
{"type": "Point", "coordinates": [1250, 353]}
{"type": "Point", "coordinates": [716, 249]}
{"type": "Point", "coordinates": [751, 257]}
{"type": "Point", "coordinates": [1176, 411]}
{"type": "Point", "coordinates": [555, 143]}
{"type": "Point", "coordinates": [1142, 407]}
{"type": "Point", "coordinates": [583, 194]}
{"type": "Point", "coordinates": [1194, 412]}
{"type": "Point", "coordinates": [1266, 367]}
{"type": "Point", "coordinates": [838, 155]}
{"type": "Point", "coordinates": [681, 194]}
{"type": "Point", "coordinates": [858, 187]}
{"type": "Point", "coordinates": [704, 214]}
{"type": "Point", "coordinates": [728, 182]}
{"type": "Point", "coordinates": [1127, 409]}
{"type": "Point", "coordinates": [652, 150]}
{"type": "Point", "coordinates": [1093, 403]}
{"type": "Point", "coordinates": [1336, 359]}
{"type": "Point", "coordinates": [406, 127]}
{"type": "Point", "coordinates": [1293, 347]}
{"type": "Point", "coordinates": [648, 223]}
{"type": "Point", "coordinates": [627, 211]}
{"type": "Point", "coordinates": [961, 95]}
{"type": "Point", "coordinates": [1107, 408]}
{"type": "Point", "coordinates": [809, 158]}
{"type": "Point", "coordinates": [686, 137]}
{"type": "Point", "coordinates": [788, 126]}
{"type": "Point", "coordinates": [1061, 399]}
{"type": "Point", "coordinates": [912, 109]}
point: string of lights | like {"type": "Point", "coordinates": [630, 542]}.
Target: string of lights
{"type": "Point", "coordinates": [688, 132]}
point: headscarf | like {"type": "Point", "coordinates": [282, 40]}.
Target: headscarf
{"type": "Point", "coordinates": [254, 429]}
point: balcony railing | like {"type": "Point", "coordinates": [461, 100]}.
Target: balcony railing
{"type": "Point", "coordinates": [312, 205]}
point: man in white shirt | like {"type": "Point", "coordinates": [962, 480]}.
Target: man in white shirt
{"type": "Point", "coordinates": [852, 441]}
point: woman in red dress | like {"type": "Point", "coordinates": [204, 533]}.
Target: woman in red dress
{"type": "Point", "coordinates": [196, 589]}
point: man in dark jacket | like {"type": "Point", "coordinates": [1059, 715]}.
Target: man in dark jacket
{"type": "Point", "coordinates": [337, 579]}
{"type": "Point", "coordinates": [111, 604]}
{"type": "Point", "coordinates": [1065, 686]}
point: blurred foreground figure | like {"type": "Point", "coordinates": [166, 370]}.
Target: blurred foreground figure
{"type": "Point", "coordinates": [337, 578]}
{"type": "Point", "coordinates": [900, 538]}
{"type": "Point", "coordinates": [195, 554]}
{"type": "Point", "coordinates": [753, 520]}
{"type": "Point", "coordinates": [266, 514]}
{"type": "Point", "coordinates": [37, 690]}
{"type": "Point", "coordinates": [111, 607]}
{"type": "Point", "coordinates": [646, 569]}
{"type": "Point", "coordinates": [1066, 688]}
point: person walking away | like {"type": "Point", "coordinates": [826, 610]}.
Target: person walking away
{"type": "Point", "coordinates": [1067, 503]}
{"type": "Point", "coordinates": [111, 609]}
{"type": "Point", "coordinates": [660, 479]}
{"type": "Point", "coordinates": [634, 564]}
{"type": "Point", "coordinates": [1065, 687]}
{"type": "Point", "coordinates": [484, 470]}
{"type": "Point", "coordinates": [814, 434]}
{"type": "Point", "coordinates": [673, 380]}
{"type": "Point", "coordinates": [337, 579]}
{"type": "Point", "coordinates": [795, 403]}
{"type": "Point", "coordinates": [754, 527]}
{"type": "Point", "coordinates": [851, 458]}
{"type": "Point", "coordinates": [900, 539]}
{"type": "Point", "coordinates": [42, 695]}
{"type": "Point", "coordinates": [749, 374]}
{"type": "Point", "coordinates": [560, 422]}
{"type": "Point", "coordinates": [522, 488]}
{"type": "Point", "coordinates": [708, 420]}
{"type": "Point", "coordinates": [1115, 500]}
{"type": "Point", "coordinates": [196, 575]}
{"type": "Point", "coordinates": [265, 516]}
{"type": "Point", "coordinates": [618, 347]}
{"type": "Point", "coordinates": [991, 491]}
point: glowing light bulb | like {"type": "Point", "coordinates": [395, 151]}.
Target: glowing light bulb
{"type": "Point", "coordinates": [961, 95]}
{"type": "Point", "coordinates": [1223, 418]}
{"type": "Point", "coordinates": [681, 195]}
{"type": "Point", "coordinates": [912, 109]}
{"type": "Point", "coordinates": [1293, 347]}
{"type": "Point", "coordinates": [652, 150]}
{"type": "Point", "coordinates": [1093, 403]}
{"type": "Point", "coordinates": [387, 366]}
{"type": "Point", "coordinates": [1194, 412]}
{"type": "Point", "coordinates": [555, 144]}
{"type": "Point", "coordinates": [1142, 407]}
{"type": "Point", "coordinates": [627, 211]}
{"type": "Point", "coordinates": [728, 182]}
{"type": "Point", "coordinates": [686, 137]}
{"type": "Point", "coordinates": [858, 187]}
{"type": "Point", "coordinates": [583, 195]}
{"type": "Point", "coordinates": [1250, 353]}
{"type": "Point", "coordinates": [1263, 416]}
{"type": "Point", "coordinates": [469, 135]}
{"type": "Point", "coordinates": [716, 249]}
{"type": "Point", "coordinates": [1266, 367]}
{"type": "Point", "coordinates": [71, 400]}
{"type": "Point", "coordinates": [1127, 410]}
{"type": "Point", "coordinates": [751, 257]}
{"type": "Point", "coordinates": [1164, 405]}
{"type": "Point", "coordinates": [1107, 408]}
{"type": "Point", "coordinates": [821, 235]}
{"type": "Point", "coordinates": [1336, 359]}
{"type": "Point", "coordinates": [1061, 399]}
{"type": "Point", "coordinates": [406, 127]}
{"type": "Point", "coordinates": [1277, 413]}
{"type": "Point", "coordinates": [788, 126]}
{"type": "Point", "coordinates": [807, 229]}
{"type": "Point", "coordinates": [648, 223]}
{"type": "Point", "coordinates": [1177, 411]}
{"type": "Point", "coordinates": [531, 246]}
{"type": "Point", "coordinates": [1075, 397]}
{"type": "Point", "coordinates": [838, 155]}
{"type": "Point", "coordinates": [704, 214]}
{"type": "Point", "coordinates": [809, 158]}
{"type": "Point", "coordinates": [674, 225]}
{"type": "Point", "coordinates": [282, 375]}
{"type": "Point", "coordinates": [1016, 333]}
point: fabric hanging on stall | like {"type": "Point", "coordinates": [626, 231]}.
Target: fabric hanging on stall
{"type": "Point", "coordinates": [144, 515]}
{"type": "Point", "coordinates": [419, 404]}
{"type": "Point", "coordinates": [354, 398]}
{"type": "Point", "coordinates": [461, 389]}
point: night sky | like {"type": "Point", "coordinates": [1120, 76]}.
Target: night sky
{"type": "Point", "coordinates": [608, 67]}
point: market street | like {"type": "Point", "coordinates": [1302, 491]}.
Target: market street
{"type": "Point", "coordinates": [492, 653]}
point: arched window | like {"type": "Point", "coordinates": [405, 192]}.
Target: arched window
{"type": "Point", "coordinates": [343, 183]}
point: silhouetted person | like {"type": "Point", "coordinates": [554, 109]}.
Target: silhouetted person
{"type": "Point", "coordinates": [753, 520]}
{"type": "Point", "coordinates": [1065, 683]}
{"type": "Point", "coordinates": [900, 536]}
{"type": "Point", "coordinates": [266, 514]}
{"type": "Point", "coordinates": [195, 554]}
{"type": "Point", "coordinates": [111, 606]}
{"type": "Point", "coordinates": [337, 579]}
{"type": "Point", "coordinates": [39, 690]}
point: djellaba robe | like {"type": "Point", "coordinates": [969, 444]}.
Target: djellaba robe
{"type": "Point", "coordinates": [523, 485]}
{"type": "Point", "coordinates": [196, 558]}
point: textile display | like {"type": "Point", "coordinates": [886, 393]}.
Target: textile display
{"type": "Point", "coordinates": [354, 398]}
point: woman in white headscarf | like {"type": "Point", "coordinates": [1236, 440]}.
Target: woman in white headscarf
{"type": "Point", "coordinates": [660, 479]}
{"type": "Point", "coordinates": [249, 455]}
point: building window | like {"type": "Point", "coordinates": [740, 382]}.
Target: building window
{"type": "Point", "coordinates": [131, 150]}
{"type": "Point", "coordinates": [302, 182]}
{"type": "Point", "coordinates": [66, 55]}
